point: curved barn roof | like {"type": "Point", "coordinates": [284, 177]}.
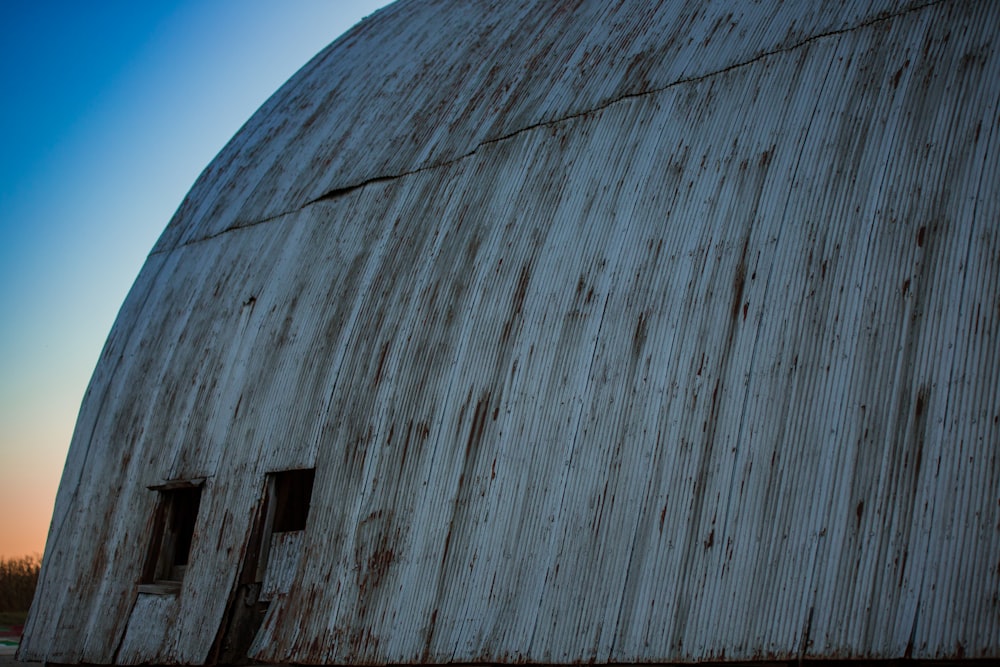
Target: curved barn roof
{"type": "Point", "coordinates": [613, 332]}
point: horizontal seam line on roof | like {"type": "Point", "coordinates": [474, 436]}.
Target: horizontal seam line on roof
{"type": "Point", "coordinates": [347, 189]}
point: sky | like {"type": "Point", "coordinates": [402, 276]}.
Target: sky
{"type": "Point", "coordinates": [110, 110]}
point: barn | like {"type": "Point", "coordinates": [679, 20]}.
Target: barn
{"type": "Point", "coordinates": [564, 332]}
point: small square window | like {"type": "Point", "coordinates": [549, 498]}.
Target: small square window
{"type": "Point", "coordinates": [173, 533]}
{"type": "Point", "coordinates": [292, 492]}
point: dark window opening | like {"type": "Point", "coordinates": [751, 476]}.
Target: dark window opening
{"type": "Point", "coordinates": [292, 492]}
{"type": "Point", "coordinates": [184, 506]}
{"type": "Point", "coordinates": [174, 528]}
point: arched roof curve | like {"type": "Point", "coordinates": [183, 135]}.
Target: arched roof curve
{"type": "Point", "coordinates": [613, 332]}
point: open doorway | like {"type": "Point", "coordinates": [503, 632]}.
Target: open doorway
{"type": "Point", "coordinates": [273, 554]}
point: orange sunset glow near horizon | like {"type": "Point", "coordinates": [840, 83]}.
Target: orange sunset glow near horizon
{"type": "Point", "coordinates": [113, 109]}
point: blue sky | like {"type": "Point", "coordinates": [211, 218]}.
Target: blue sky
{"type": "Point", "coordinates": [111, 109]}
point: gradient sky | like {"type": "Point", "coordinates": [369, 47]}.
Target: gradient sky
{"type": "Point", "coordinates": [111, 109]}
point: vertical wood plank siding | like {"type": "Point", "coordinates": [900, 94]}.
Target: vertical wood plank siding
{"type": "Point", "coordinates": [615, 332]}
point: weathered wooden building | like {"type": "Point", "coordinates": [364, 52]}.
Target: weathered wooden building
{"type": "Point", "coordinates": [563, 332]}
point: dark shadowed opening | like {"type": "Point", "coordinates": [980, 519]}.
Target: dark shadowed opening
{"type": "Point", "coordinates": [184, 504]}
{"type": "Point", "coordinates": [173, 532]}
{"type": "Point", "coordinates": [292, 494]}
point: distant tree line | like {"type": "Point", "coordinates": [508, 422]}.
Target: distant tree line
{"type": "Point", "coordinates": [18, 578]}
